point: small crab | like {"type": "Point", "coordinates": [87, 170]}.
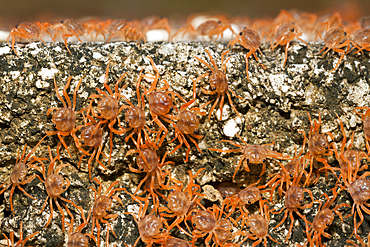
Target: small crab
{"type": "Point", "coordinates": [68, 28]}
{"type": "Point", "coordinates": [28, 31]}
{"type": "Point", "coordinates": [249, 195]}
{"type": "Point", "coordinates": [92, 137]}
{"type": "Point", "coordinates": [219, 83]}
{"type": "Point", "coordinates": [77, 238]}
{"type": "Point", "coordinates": [323, 219]}
{"type": "Point", "coordinates": [336, 39]}
{"type": "Point", "coordinates": [64, 119]}
{"type": "Point", "coordinates": [108, 107]}
{"type": "Point", "coordinates": [147, 161]}
{"type": "Point", "coordinates": [284, 34]}
{"type": "Point", "coordinates": [100, 210]}
{"type": "Point", "coordinates": [210, 223]}
{"type": "Point", "coordinates": [160, 104]}
{"type": "Point", "coordinates": [180, 201]}
{"type": "Point", "coordinates": [347, 158]}
{"type": "Point", "coordinates": [19, 173]}
{"type": "Point", "coordinates": [123, 28]}
{"type": "Point", "coordinates": [250, 40]}
{"type": "Point", "coordinates": [211, 26]}
{"type": "Point", "coordinates": [318, 145]}
{"type": "Point", "coordinates": [253, 154]}
{"type": "Point", "coordinates": [258, 225]}
{"type": "Point", "coordinates": [187, 125]}
{"type": "Point", "coordinates": [294, 197]}
{"type": "Point", "coordinates": [55, 185]}
{"type": "Point", "coordinates": [362, 39]}
{"type": "Point", "coordinates": [135, 119]}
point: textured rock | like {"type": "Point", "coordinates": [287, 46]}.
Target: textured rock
{"type": "Point", "coordinates": [273, 109]}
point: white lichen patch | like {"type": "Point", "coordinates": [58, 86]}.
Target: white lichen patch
{"type": "Point", "coordinates": [278, 83]}
{"type": "Point", "coordinates": [4, 50]}
{"type": "Point", "coordinates": [47, 73]}
{"type": "Point", "coordinates": [231, 127]}
{"type": "Point", "coordinates": [97, 56]}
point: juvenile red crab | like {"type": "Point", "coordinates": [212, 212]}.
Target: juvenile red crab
{"type": "Point", "coordinates": [92, 137]}
{"type": "Point", "coordinates": [219, 83]}
{"type": "Point", "coordinates": [100, 210]}
{"type": "Point", "coordinates": [253, 154]}
{"type": "Point", "coordinates": [55, 185]}
{"type": "Point", "coordinates": [180, 201]}
{"type": "Point", "coordinates": [28, 31]}
{"type": "Point", "coordinates": [64, 119]}
{"type": "Point", "coordinates": [212, 26]}
{"type": "Point", "coordinates": [108, 107]}
{"type": "Point", "coordinates": [187, 125]}
{"type": "Point", "coordinates": [284, 34]}
{"type": "Point", "coordinates": [336, 39]}
{"type": "Point", "coordinates": [251, 41]}
{"type": "Point", "coordinates": [68, 28]}
{"type": "Point", "coordinates": [19, 173]}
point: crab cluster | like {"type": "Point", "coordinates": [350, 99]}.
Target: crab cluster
{"type": "Point", "coordinates": [166, 204]}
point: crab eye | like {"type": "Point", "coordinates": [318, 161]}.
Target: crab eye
{"type": "Point", "coordinates": [64, 187]}
{"type": "Point", "coordinates": [241, 33]}
{"type": "Point", "coordinates": [127, 122]}
{"type": "Point", "coordinates": [292, 30]}
{"type": "Point", "coordinates": [99, 114]}
{"type": "Point", "coordinates": [27, 165]}
{"type": "Point", "coordinates": [54, 125]}
{"type": "Point", "coordinates": [291, 175]}
{"type": "Point", "coordinates": [344, 33]}
{"type": "Point", "coordinates": [327, 224]}
{"type": "Point", "coordinates": [213, 88]}
{"type": "Point", "coordinates": [264, 160]}
{"type": "Point", "coordinates": [301, 201]}
{"type": "Point", "coordinates": [54, 110]}
{"type": "Point", "coordinates": [326, 147]}
{"type": "Point", "coordinates": [82, 142]}
{"type": "Point", "coordinates": [20, 180]}
{"type": "Point", "coordinates": [107, 211]}
{"type": "Point", "coordinates": [231, 230]}
{"type": "Point", "coordinates": [169, 94]}
{"type": "Point", "coordinates": [248, 227]}
{"type": "Point", "coordinates": [247, 160]}
{"type": "Point", "coordinates": [194, 224]}
{"type": "Point", "coordinates": [224, 197]}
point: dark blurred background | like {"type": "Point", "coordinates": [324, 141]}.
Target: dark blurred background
{"type": "Point", "coordinates": [16, 11]}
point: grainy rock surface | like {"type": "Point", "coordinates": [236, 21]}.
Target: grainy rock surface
{"type": "Point", "coordinates": [273, 108]}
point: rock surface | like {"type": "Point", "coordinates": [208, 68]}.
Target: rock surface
{"type": "Point", "coordinates": [273, 108]}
